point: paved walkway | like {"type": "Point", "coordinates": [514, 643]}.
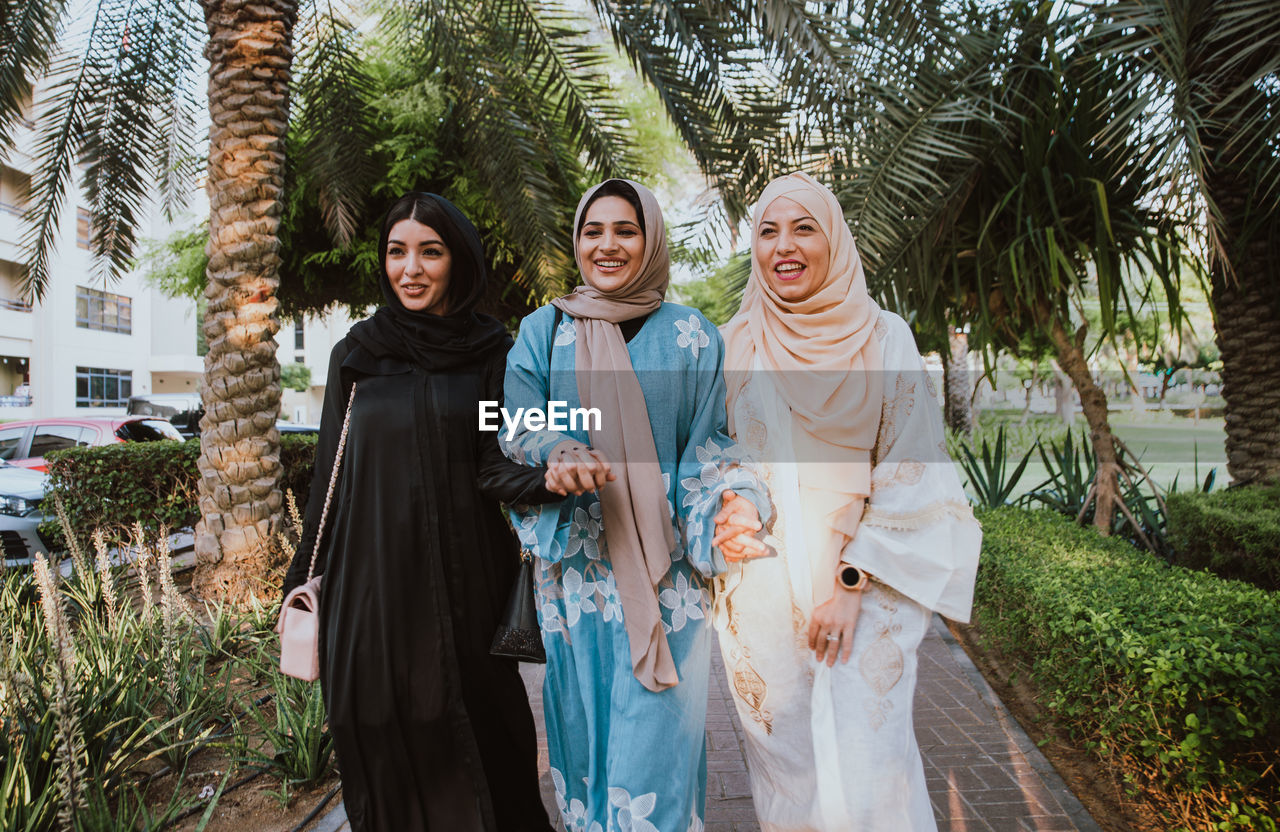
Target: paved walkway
{"type": "Point", "coordinates": [984, 773]}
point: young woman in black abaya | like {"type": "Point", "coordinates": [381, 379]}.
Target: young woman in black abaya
{"type": "Point", "coordinates": [432, 733]}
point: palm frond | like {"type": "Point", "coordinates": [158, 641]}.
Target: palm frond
{"type": "Point", "coordinates": [28, 35]}
{"type": "Point", "coordinates": [1206, 78]}
{"type": "Point", "coordinates": [332, 96]}
{"type": "Point", "coordinates": [61, 125]}
{"type": "Point", "coordinates": [106, 110]}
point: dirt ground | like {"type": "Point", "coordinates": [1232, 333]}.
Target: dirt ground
{"type": "Point", "coordinates": [252, 807]}
{"type": "Point", "coordinates": [1099, 788]}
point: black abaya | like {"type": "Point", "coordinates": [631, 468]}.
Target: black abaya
{"type": "Point", "coordinates": [432, 732]}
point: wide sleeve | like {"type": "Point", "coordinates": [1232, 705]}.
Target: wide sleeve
{"type": "Point", "coordinates": [528, 384]}
{"type": "Point", "coordinates": [332, 414]}
{"type": "Point", "coordinates": [918, 533]}
{"type": "Point", "coordinates": [710, 462]}
{"type": "Point", "coordinates": [500, 478]}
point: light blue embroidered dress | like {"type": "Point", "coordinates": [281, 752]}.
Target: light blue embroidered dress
{"type": "Point", "coordinates": [623, 757]}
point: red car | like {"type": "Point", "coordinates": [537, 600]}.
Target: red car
{"type": "Point", "coordinates": [25, 443]}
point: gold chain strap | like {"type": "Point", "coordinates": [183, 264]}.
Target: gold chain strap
{"type": "Point", "coordinates": [333, 480]}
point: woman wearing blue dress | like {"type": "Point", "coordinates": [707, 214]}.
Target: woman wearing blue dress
{"type": "Point", "coordinates": [623, 562]}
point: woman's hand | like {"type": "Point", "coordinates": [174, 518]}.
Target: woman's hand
{"type": "Point", "coordinates": [574, 468]}
{"type": "Point", "coordinates": [837, 617]}
{"type": "Point", "coordinates": [736, 525]}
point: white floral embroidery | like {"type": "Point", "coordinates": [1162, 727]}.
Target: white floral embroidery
{"type": "Point", "coordinates": [666, 489]}
{"type": "Point", "coordinates": [610, 602]}
{"type": "Point", "coordinates": [573, 811]}
{"type": "Point", "coordinates": [575, 819]}
{"type": "Point", "coordinates": [584, 532]}
{"type": "Point", "coordinates": [577, 596]}
{"type": "Point", "coordinates": [685, 603]}
{"type": "Point", "coordinates": [695, 824]}
{"type": "Point", "coordinates": [565, 333]}
{"type": "Point", "coordinates": [525, 532]}
{"type": "Point", "coordinates": [691, 335]}
{"type": "Point", "coordinates": [708, 454]}
{"type": "Point", "coordinates": [632, 812]}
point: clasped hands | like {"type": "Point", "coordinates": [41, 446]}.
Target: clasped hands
{"type": "Point", "coordinates": [574, 468]}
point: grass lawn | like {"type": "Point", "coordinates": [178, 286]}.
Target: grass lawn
{"type": "Point", "coordinates": [1168, 446]}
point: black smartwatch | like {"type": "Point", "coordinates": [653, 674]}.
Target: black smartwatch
{"type": "Point", "coordinates": [852, 578]}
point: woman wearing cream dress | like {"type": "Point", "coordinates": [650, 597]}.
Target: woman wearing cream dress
{"type": "Point", "coordinates": [872, 532]}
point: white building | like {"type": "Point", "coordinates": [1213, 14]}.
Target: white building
{"type": "Point", "coordinates": [86, 346]}
{"type": "Point", "coordinates": [308, 342]}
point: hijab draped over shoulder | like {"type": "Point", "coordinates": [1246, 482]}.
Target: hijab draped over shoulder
{"type": "Point", "coordinates": [634, 506]}
{"type": "Point", "coordinates": [822, 356]}
{"type": "Point", "coordinates": [460, 337]}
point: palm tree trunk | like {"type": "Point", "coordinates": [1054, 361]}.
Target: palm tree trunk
{"type": "Point", "coordinates": [1093, 401]}
{"type": "Point", "coordinates": [250, 55]}
{"type": "Point", "coordinates": [1246, 307]}
{"type": "Point", "coordinates": [957, 390]}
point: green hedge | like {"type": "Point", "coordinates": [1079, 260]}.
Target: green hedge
{"type": "Point", "coordinates": [154, 483]}
{"type": "Point", "coordinates": [1235, 532]}
{"type": "Point", "coordinates": [1172, 674]}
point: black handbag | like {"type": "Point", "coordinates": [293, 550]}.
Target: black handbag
{"type": "Point", "coordinates": [518, 635]}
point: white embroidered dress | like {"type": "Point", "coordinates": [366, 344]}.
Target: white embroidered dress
{"type": "Point", "coordinates": [833, 749]}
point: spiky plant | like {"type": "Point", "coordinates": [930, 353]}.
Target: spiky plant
{"type": "Point", "coordinates": [70, 751]}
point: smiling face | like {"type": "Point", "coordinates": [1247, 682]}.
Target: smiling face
{"type": "Point", "coordinates": [611, 244]}
{"type": "Point", "coordinates": [418, 264]}
{"type": "Point", "coordinates": [791, 250]}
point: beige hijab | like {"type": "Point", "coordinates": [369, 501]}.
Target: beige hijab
{"type": "Point", "coordinates": [634, 506]}
{"type": "Point", "coordinates": [822, 356]}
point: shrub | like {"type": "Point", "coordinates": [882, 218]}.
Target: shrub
{"type": "Point", "coordinates": [153, 483]}
{"type": "Point", "coordinates": [1235, 533]}
{"type": "Point", "coordinates": [1170, 673]}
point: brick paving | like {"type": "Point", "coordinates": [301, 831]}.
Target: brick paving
{"type": "Point", "coordinates": [984, 773]}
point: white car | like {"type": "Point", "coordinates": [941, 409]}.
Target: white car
{"type": "Point", "coordinates": [21, 491]}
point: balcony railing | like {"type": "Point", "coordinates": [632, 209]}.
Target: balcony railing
{"type": "Point", "coordinates": [10, 208]}
{"type": "Point", "coordinates": [15, 305]}
{"type": "Point", "coordinates": [15, 401]}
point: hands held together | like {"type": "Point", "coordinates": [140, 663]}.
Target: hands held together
{"type": "Point", "coordinates": [574, 468]}
{"type": "Point", "coordinates": [736, 525]}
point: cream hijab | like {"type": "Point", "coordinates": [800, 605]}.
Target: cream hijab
{"type": "Point", "coordinates": [822, 356]}
{"type": "Point", "coordinates": [634, 506]}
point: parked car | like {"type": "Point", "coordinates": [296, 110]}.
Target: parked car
{"type": "Point", "coordinates": [21, 491]}
{"type": "Point", "coordinates": [25, 443]}
{"type": "Point", "coordinates": [293, 427]}
{"type": "Point", "coordinates": [183, 410]}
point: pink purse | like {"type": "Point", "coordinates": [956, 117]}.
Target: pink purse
{"type": "Point", "coordinates": [299, 622]}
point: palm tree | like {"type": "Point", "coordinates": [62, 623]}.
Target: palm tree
{"type": "Point", "coordinates": [125, 105]}
{"type": "Point", "coordinates": [1041, 214]}
{"type": "Point", "coordinates": [1207, 75]}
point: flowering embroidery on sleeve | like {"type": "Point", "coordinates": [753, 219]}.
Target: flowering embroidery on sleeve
{"type": "Point", "coordinates": [566, 333]}
{"type": "Point", "coordinates": [691, 335]}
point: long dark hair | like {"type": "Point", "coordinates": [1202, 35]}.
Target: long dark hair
{"type": "Point", "coordinates": [612, 187]}
{"type": "Point", "coordinates": [467, 273]}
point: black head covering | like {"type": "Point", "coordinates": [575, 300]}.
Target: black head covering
{"type": "Point", "coordinates": [434, 342]}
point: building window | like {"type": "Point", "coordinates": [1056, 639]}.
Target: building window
{"type": "Point", "coordinates": [299, 336]}
{"type": "Point", "coordinates": [84, 224]}
{"type": "Point", "coordinates": [103, 310]}
{"type": "Point", "coordinates": [96, 387]}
